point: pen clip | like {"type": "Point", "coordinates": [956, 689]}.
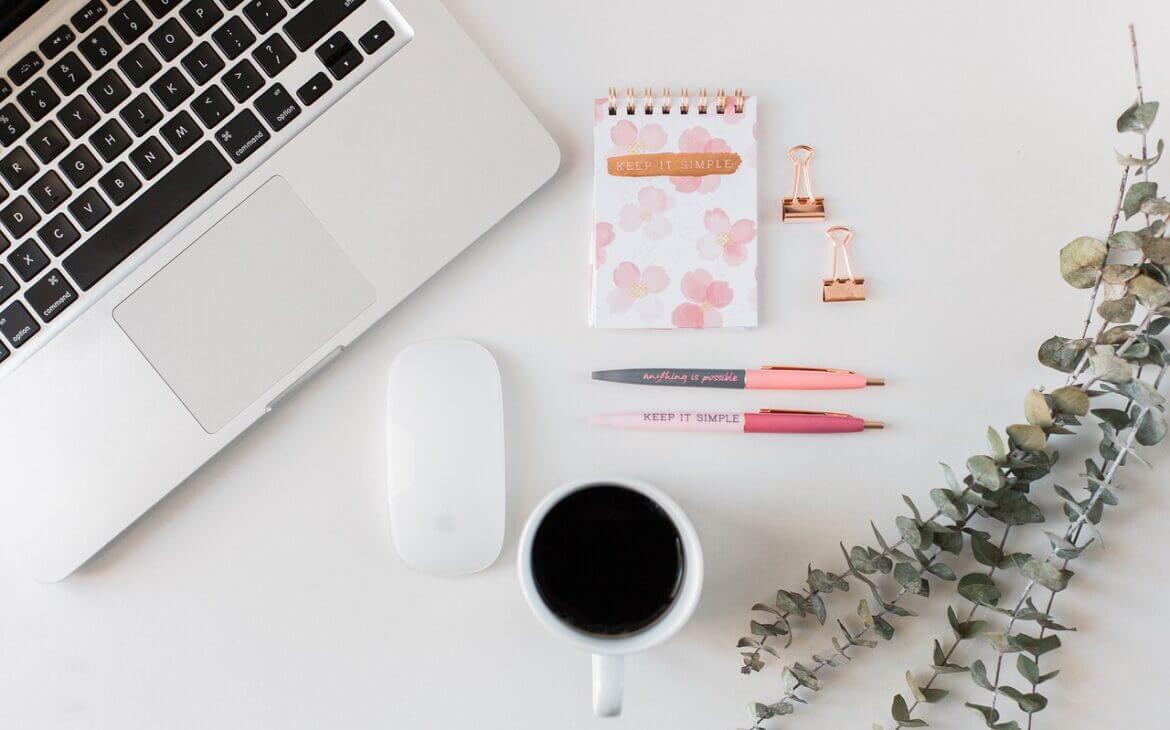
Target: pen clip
{"type": "Point", "coordinates": [805, 413]}
{"type": "Point", "coordinates": [813, 370]}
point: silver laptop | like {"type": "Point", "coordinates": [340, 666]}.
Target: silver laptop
{"type": "Point", "coordinates": [202, 203]}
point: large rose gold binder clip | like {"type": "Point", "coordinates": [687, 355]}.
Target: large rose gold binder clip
{"type": "Point", "coordinates": [798, 209]}
{"type": "Point", "coordinates": [838, 289]}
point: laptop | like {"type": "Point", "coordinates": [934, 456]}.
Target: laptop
{"type": "Point", "coordinates": [202, 204]}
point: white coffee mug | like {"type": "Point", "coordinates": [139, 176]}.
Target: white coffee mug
{"type": "Point", "coordinates": [608, 651]}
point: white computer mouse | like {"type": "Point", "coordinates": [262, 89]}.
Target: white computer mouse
{"type": "Point", "coordinates": [445, 455]}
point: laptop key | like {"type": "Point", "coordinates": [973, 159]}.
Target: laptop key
{"type": "Point", "coordinates": [58, 234]}
{"type": "Point", "coordinates": [273, 54]}
{"type": "Point", "coordinates": [376, 37]}
{"type": "Point", "coordinates": [57, 41]}
{"type": "Point", "coordinates": [38, 99]}
{"type": "Point", "coordinates": [25, 68]}
{"type": "Point", "coordinates": [264, 14]}
{"type": "Point", "coordinates": [110, 140]}
{"type": "Point", "coordinates": [8, 285]}
{"type": "Point", "coordinates": [348, 61]}
{"type": "Point", "coordinates": [49, 191]}
{"type": "Point", "coordinates": [180, 132]}
{"type": "Point", "coordinates": [50, 296]}
{"type": "Point", "coordinates": [201, 15]}
{"type": "Point", "coordinates": [211, 106]}
{"type": "Point", "coordinates": [277, 107]}
{"type": "Point", "coordinates": [19, 216]}
{"type": "Point", "coordinates": [242, 136]}
{"type": "Point", "coordinates": [203, 63]}
{"type": "Point", "coordinates": [172, 89]}
{"type": "Point", "coordinates": [318, 18]}
{"type": "Point", "coordinates": [69, 73]}
{"type": "Point", "coordinates": [3, 353]}
{"type": "Point", "coordinates": [89, 209]}
{"type": "Point", "coordinates": [17, 324]}
{"type": "Point", "coordinates": [17, 168]}
{"type": "Point", "coordinates": [314, 88]}
{"type": "Point", "coordinates": [150, 158]}
{"type": "Point", "coordinates": [139, 65]}
{"type": "Point", "coordinates": [141, 114]}
{"type": "Point", "coordinates": [48, 142]}
{"type": "Point", "coordinates": [99, 48]}
{"type": "Point", "coordinates": [78, 116]}
{"type": "Point", "coordinates": [243, 80]}
{"type": "Point", "coordinates": [80, 166]}
{"type": "Point", "coordinates": [161, 7]}
{"type": "Point", "coordinates": [91, 13]}
{"type": "Point", "coordinates": [5, 89]}
{"type": "Point", "coordinates": [120, 183]}
{"type": "Point", "coordinates": [157, 206]}
{"type": "Point", "coordinates": [12, 124]}
{"type": "Point", "coordinates": [233, 38]}
{"type": "Point", "coordinates": [170, 39]}
{"type": "Point", "coordinates": [28, 260]}
{"type": "Point", "coordinates": [109, 90]}
{"type": "Point", "coordinates": [130, 22]}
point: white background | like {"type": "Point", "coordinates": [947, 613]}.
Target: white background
{"type": "Point", "coordinates": [964, 142]}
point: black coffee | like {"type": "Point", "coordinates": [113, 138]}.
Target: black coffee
{"type": "Point", "coordinates": [607, 560]}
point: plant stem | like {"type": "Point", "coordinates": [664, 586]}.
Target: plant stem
{"type": "Point", "coordinates": [851, 572]}
{"type": "Point", "coordinates": [970, 614]}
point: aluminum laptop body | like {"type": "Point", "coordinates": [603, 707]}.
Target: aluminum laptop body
{"type": "Point", "coordinates": [312, 193]}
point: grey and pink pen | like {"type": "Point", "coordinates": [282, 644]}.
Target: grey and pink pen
{"type": "Point", "coordinates": [764, 421]}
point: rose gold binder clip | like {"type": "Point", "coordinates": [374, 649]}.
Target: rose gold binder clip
{"type": "Point", "coordinates": [798, 209]}
{"type": "Point", "coordinates": [839, 289]}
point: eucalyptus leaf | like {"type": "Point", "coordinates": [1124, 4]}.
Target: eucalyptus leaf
{"type": "Point", "coordinates": [1061, 353]}
{"type": "Point", "coordinates": [1070, 400]}
{"type": "Point", "coordinates": [1081, 261]}
{"type": "Point", "coordinates": [1027, 437]}
{"type": "Point", "coordinates": [996, 445]}
{"type": "Point", "coordinates": [1138, 118]}
{"type": "Point", "coordinates": [1046, 574]}
{"type": "Point", "coordinates": [1033, 645]}
{"type": "Point", "coordinates": [790, 602]}
{"type": "Point", "coordinates": [817, 604]}
{"type": "Point", "coordinates": [1157, 250]}
{"type": "Point", "coordinates": [1156, 206]}
{"type": "Point", "coordinates": [1150, 292]}
{"type": "Point", "coordinates": [1109, 367]}
{"type": "Point", "coordinates": [985, 472]}
{"type": "Point", "coordinates": [979, 675]}
{"type": "Point", "coordinates": [979, 588]}
{"type": "Point", "coordinates": [1151, 428]}
{"type": "Point", "coordinates": [1015, 509]}
{"type": "Point", "coordinates": [911, 532]}
{"type": "Point", "coordinates": [1118, 310]}
{"type": "Point", "coordinates": [1036, 409]}
{"type": "Point", "coordinates": [1136, 195]}
{"type": "Point", "coordinates": [985, 552]}
{"type": "Point", "coordinates": [1141, 163]}
{"type": "Point", "coordinates": [1125, 241]}
{"type": "Point", "coordinates": [944, 501]}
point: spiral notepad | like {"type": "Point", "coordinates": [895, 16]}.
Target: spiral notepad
{"type": "Point", "coordinates": [674, 211]}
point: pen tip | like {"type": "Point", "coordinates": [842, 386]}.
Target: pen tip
{"type": "Point", "coordinates": [874, 424]}
{"type": "Point", "coordinates": [875, 381]}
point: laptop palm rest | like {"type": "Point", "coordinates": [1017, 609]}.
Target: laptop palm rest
{"type": "Point", "coordinates": [244, 305]}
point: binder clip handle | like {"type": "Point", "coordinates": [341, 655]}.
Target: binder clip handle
{"type": "Point", "coordinates": [807, 207]}
{"type": "Point", "coordinates": [838, 288]}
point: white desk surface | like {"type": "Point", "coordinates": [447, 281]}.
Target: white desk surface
{"type": "Point", "coordinates": [965, 143]}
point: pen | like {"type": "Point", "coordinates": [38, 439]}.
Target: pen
{"type": "Point", "coordinates": [769, 377]}
{"type": "Point", "coordinates": [766, 420]}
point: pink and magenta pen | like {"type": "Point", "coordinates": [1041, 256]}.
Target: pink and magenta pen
{"type": "Point", "coordinates": [769, 377]}
{"type": "Point", "coordinates": [763, 421]}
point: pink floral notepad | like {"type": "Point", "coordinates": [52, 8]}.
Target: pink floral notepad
{"type": "Point", "coordinates": [672, 249]}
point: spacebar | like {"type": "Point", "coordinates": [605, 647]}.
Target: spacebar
{"type": "Point", "coordinates": [134, 225]}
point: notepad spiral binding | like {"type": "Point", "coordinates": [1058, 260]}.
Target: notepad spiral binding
{"type": "Point", "coordinates": [684, 101]}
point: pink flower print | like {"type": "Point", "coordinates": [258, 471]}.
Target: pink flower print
{"type": "Point", "coordinates": [706, 296]}
{"type": "Point", "coordinates": [602, 237]}
{"type": "Point", "coordinates": [648, 213]}
{"type": "Point", "coordinates": [629, 140]}
{"type": "Point", "coordinates": [638, 289]}
{"type": "Point", "coordinates": [697, 139]}
{"type": "Point", "coordinates": [724, 239]}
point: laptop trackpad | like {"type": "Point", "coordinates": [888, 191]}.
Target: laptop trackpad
{"type": "Point", "coordinates": [244, 304]}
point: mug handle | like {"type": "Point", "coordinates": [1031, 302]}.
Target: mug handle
{"type": "Point", "coordinates": [608, 680]}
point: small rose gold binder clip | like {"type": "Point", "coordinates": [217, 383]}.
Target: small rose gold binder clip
{"type": "Point", "coordinates": [839, 289]}
{"type": "Point", "coordinates": [797, 208]}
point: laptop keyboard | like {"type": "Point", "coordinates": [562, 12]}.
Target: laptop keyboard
{"type": "Point", "coordinates": [119, 121]}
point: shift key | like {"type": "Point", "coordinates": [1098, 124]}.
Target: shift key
{"type": "Point", "coordinates": [318, 18]}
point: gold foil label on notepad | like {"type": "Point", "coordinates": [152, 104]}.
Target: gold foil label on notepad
{"type": "Point", "coordinates": [679, 164]}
